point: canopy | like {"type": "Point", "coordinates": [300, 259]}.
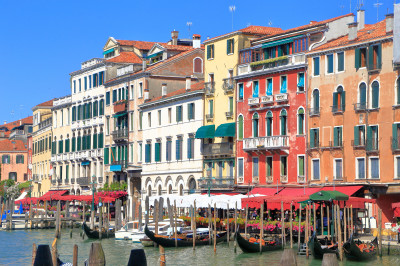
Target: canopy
{"type": "Point", "coordinates": [279, 42]}
{"type": "Point", "coordinates": [226, 130]}
{"type": "Point", "coordinates": [22, 196]}
{"type": "Point", "coordinates": [358, 203]}
{"type": "Point", "coordinates": [154, 55]}
{"type": "Point", "coordinates": [85, 163]}
{"type": "Point", "coordinates": [205, 132]}
{"type": "Point", "coordinates": [120, 114]}
{"type": "Point", "coordinates": [108, 51]}
{"type": "Point", "coordinates": [328, 196]}
{"type": "Point", "coordinates": [116, 168]}
{"type": "Point", "coordinates": [396, 209]}
{"type": "Point", "coordinates": [52, 195]}
{"type": "Point", "coordinates": [267, 191]}
{"type": "Point", "coordinates": [348, 190]}
{"type": "Point", "coordinates": [274, 202]}
{"type": "Point", "coordinates": [299, 191]}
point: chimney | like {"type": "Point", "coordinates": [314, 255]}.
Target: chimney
{"type": "Point", "coordinates": [164, 89]}
{"type": "Point", "coordinates": [5, 122]}
{"type": "Point", "coordinates": [352, 31]}
{"type": "Point", "coordinates": [360, 19]}
{"type": "Point", "coordinates": [389, 22]}
{"type": "Point", "coordinates": [146, 96]}
{"type": "Point", "coordinates": [188, 83]}
{"type": "Point", "coordinates": [144, 64]}
{"type": "Point", "coordinates": [196, 40]}
{"type": "Point", "coordinates": [174, 36]}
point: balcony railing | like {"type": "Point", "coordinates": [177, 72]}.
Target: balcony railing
{"type": "Point", "coordinates": [209, 88]}
{"type": "Point", "coordinates": [359, 144]}
{"type": "Point", "coordinates": [72, 180]}
{"type": "Point", "coordinates": [216, 182]}
{"type": "Point", "coordinates": [228, 85]}
{"type": "Point", "coordinates": [301, 178]}
{"type": "Point", "coordinates": [83, 181]}
{"type": "Point", "coordinates": [123, 163]}
{"type": "Point", "coordinates": [314, 145]}
{"type": "Point", "coordinates": [360, 107]}
{"type": "Point", "coordinates": [225, 148]}
{"type": "Point", "coordinates": [267, 99]}
{"type": "Point", "coordinates": [254, 101]}
{"type": "Point", "coordinates": [313, 111]}
{"type": "Point", "coordinates": [120, 135]}
{"type": "Point", "coordinates": [262, 143]}
{"type": "Point", "coordinates": [209, 117]}
{"type": "Point", "coordinates": [337, 109]}
{"type": "Point", "coordinates": [284, 178]}
{"type": "Point", "coordinates": [229, 114]}
{"type": "Point", "coordinates": [269, 179]}
{"type": "Point", "coordinates": [46, 123]}
{"type": "Point", "coordinates": [120, 106]}
{"type": "Point", "coordinates": [281, 97]}
{"type": "Point", "coordinates": [372, 145]}
{"type": "Point", "coordinates": [54, 181]}
{"type": "Point", "coordinates": [337, 145]}
{"type": "Point", "coordinates": [100, 179]}
{"type": "Point", "coordinates": [255, 180]}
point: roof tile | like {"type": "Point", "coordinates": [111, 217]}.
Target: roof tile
{"type": "Point", "coordinates": [126, 57]}
{"type": "Point", "coordinates": [195, 87]}
{"type": "Point", "coordinates": [12, 145]}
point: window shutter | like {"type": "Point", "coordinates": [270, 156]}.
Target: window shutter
{"type": "Point", "coordinates": [357, 56]}
{"type": "Point", "coordinates": [101, 107]}
{"type": "Point", "coordinates": [269, 126]}
{"type": "Point", "coordinates": [73, 144]}
{"type": "Point", "coordinates": [343, 101]}
{"type": "Point", "coordinates": [369, 138]}
{"type": "Point", "coordinates": [279, 50]}
{"type": "Point", "coordinates": [395, 143]}
{"type": "Point", "coordinates": [228, 46]}
{"type": "Point", "coordinates": [335, 137]}
{"type": "Point", "coordinates": [100, 140]}
{"type": "Point", "coordinates": [300, 123]}
{"type": "Point", "coordinates": [106, 156]}
{"type": "Point", "coordinates": [316, 66]}
{"type": "Point", "coordinates": [240, 127]}
{"type": "Point", "coordinates": [107, 98]}
{"type": "Point", "coordinates": [22, 159]}
{"type": "Point", "coordinates": [94, 141]}
{"type": "Point", "coordinates": [312, 138]}
{"type": "Point", "coordinates": [356, 135]}
{"type": "Point", "coordinates": [301, 165]}
{"type": "Point", "coordinates": [157, 152]}
{"type": "Point", "coordinates": [335, 99]}
{"type": "Point", "coordinates": [330, 63]}
{"type": "Point", "coordinates": [208, 51]}
{"type": "Point", "coordinates": [371, 57]}
{"type": "Point", "coordinates": [375, 96]}
{"type": "Point", "coordinates": [340, 61]}
{"type": "Point", "coordinates": [189, 111]}
{"type": "Point", "coordinates": [189, 152]}
{"type": "Point", "coordinates": [379, 57]}
{"type": "Point", "coordinates": [178, 149]}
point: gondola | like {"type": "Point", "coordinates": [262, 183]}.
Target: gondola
{"type": "Point", "coordinates": [250, 247]}
{"type": "Point", "coordinates": [94, 234]}
{"type": "Point", "coordinates": [353, 252]}
{"type": "Point", "coordinates": [170, 242]}
{"type": "Point", "coordinates": [317, 250]}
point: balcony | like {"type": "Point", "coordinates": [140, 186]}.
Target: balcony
{"type": "Point", "coordinates": [120, 106]}
{"type": "Point", "coordinates": [301, 179]}
{"type": "Point", "coordinates": [65, 157]}
{"type": "Point", "coordinates": [216, 182]}
{"type": "Point", "coordinates": [209, 88]}
{"type": "Point", "coordinates": [314, 111]}
{"type": "Point", "coordinates": [120, 135]}
{"type": "Point", "coordinates": [315, 145]}
{"type": "Point", "coordinates": [263, 143]}
{"type": "Point", "coordinates": [118, 166]}
{"type": "Point", "coordinates": [359, 144]}
{"type": "Point", "coordinates": [46, 123]}
{"type": "Point", "coordinates": [72, 180]}
{"type": "Point", "coordinates": [54, 182]}
{"type": "Point", "coordinates": [59, 181]}
{"type": "Point", "coordinates": [255, 180]}
{"type": "Point", "coordinates": [53, 158]}
{"type": "Point", "coordinates": [228, 85]}
{"type": "Point", "coordinates": [229, 114]}
{"type": "Point", "coordinates": [225, 148]}
{"type": "Point", "coordinates": [254, 101]}
{"type": "Point", "coordinates": [338, 145]}
{"type": "Point", "coordinates": [281, 97]}
{"type": "Point", "coordinates": [17, 133]}
{"type": "Point", "coordinates": [100, 179]}
{"type": "Point", "coordinates": [59, 157]}
{"type": "Point", "coordinates": [267, 99]}
{"type": "Point", "coordinates": [284, 178]}
{"type": "Point", "coordinates": [66, 181]}
{"type": "Point", "coordinates": [72, 156]}
{"type": "Point", "coordinates": [209, 117]}
{"type": "Point", "coordinates": [337, 109]}
{"type": "Point", "coordinates": [372, 145]}
{"type": "Point", "coordinates": [269, 179]}
{"type": "Point", "coordinates": [271, 64]}
{"type": "Point", "coordinates": [83, 181]}
{"type": "Point", "coordinates": [360, 107]}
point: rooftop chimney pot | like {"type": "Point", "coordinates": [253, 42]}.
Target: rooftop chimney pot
{"type": "Point", "coordinates": [389, 22]}
{"type": "Point", "coordinates": [360, 19]}
{"type": "Point", "coordinates": [196, 40]}
{"type": "Point", "coordinates": [188, 82]}
{"type": "Point", "coordinates": [352, 30]}
{"type": "Point", "coordinates": [144, 64]}
{"type": "Point", "coordinates": [174, 36]}
{"type": "Point", "coordinates": [164, 89]}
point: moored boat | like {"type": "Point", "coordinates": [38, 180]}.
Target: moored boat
{"type": "Point", "coordinates": [318, 250]}
{"type": "Point", "coordinates": [253, 246]}
{"type": "Point", "coordinates": [94, 234]}
{"type": "Point", "coordinates": [357, 250]}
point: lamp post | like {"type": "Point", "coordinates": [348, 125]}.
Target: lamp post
{"type": "Point", "coordinates": [93, 183]}
{"type": "Point", "coordinates": [30, 190]}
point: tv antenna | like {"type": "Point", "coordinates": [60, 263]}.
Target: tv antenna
{"type": "Point", "coordinates": [377, 5]}
{"type": "Point", "coordinates": [189, 24]}
{"type": "Point", "coordinates": [232, 10]}
{"type": "Point", "coordinates": [270, 23]}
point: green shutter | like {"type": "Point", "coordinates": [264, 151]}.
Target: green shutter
{"type": "Point", "coordinates": [157, 151]}
{"type": "Point", "coordinates": [301, 123]}
{"type": "Point", "coordinates": [330, 63]}
{"type": "Point", "coordinates": [316, 66]}
{"type": "Point", "coordinates": [379, 57]}
{"type": "Point", "coordinates": [79, 113]}
{"type": "Point", "coordinates": [357, 57]}
{"type": "Point", "coordinates": [100, 140]}
{"type": "Point", "coordinates": [88, 142]}
{"type": "Point", "coordinates": [240, 127]}
{"type": "Point", "coordinates": [94, 141]}
{"type": "Point", "coordinates": [335, 99]}
{"type": "Point", "coordinates": [343, 101]}
{"type": "Point", "coordinates": [335, 137]}
{"type": "Point", "coordinates": [371, 57]}
{"type": "Point", "coordinates": [375, 96]}
{"type": "Point", "coordinates": [101, 107]}
{"type": "Point", "coordinates": [356, 135]}
{"type": "Point", "coordinates": [395, 145]}
{"type": "Point", "coordinates": [147, 153]}
{"type": "Point", "coordinates": [301, 165]}
{"type": "Point", "coordinates": [22, 159]}
{"type": "Point", "coordinates": [280, 50]}
{"type": "Point", "coordinates": [211, 107]}
{"type": "Point", "coordinates": [228, 46]}
{"type": "Point", "coordinates": [312, 142]}
{"type": "Point", "coordinates": [231, 104]}
{"type": "Point", "coordinates": [369, 138]}
{"type": "Point", "coordinates": [190, 110]}
{"type": "Point", "coordinates": [208, 51]}
{"type": "Point", "coordinates": [73, 148]}
{"type": "Point", "coordinates": [178, 149]}
{"type": "Point", "coordinates": [106, 156]}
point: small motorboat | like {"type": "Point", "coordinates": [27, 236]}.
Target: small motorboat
{"type": "Point", "coordinates": [129, 229]}
{"type": "Point", "coordinates": [252, 245]}
{"type": "Point", "coordinates": [360, 251]}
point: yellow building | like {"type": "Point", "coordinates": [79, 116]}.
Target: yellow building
{"type": "Point", "coordinates": [219, 130]}
{"type": "Point", "coordinates": [41, 151]}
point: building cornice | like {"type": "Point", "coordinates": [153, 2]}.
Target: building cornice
{"type": "Point", "coordinates": [185, 95]}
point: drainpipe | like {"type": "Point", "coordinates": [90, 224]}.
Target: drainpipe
{"type": "Point", "coordinates": [306, 77]}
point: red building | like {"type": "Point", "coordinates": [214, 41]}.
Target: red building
{"type": "Point", "coordinates": [271, 137]}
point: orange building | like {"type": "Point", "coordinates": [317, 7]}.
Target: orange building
{"type": "Point", "coordinates": [13, 155]}
{"type": "Point", "coordinates": [354, 112]}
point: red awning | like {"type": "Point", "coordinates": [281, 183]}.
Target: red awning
{"type": "Point", "coordinates": [222, 193]}
{"type": "Point", "coordinates": [52, 195]}
{"type": "Point", "coordinates": [355, 202]}
{"type": "Point", "coordinates": [274, 202]}
{"type": "Point", "coordinates": [348, 190]}
{"type": "Point", "coordinates": [299, 191]}
{"type": "Point", "coordinates": [267, 191]}
{"type": "Point", "coordinates": [396, 205]}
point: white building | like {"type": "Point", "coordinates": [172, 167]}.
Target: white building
{"type": "Point", "coordinates": [172, 161]}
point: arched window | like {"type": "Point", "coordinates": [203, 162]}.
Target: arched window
{"type": "Point", "coordinates": [398, 90]}
{"type": "Point", "coordinates": [362, 96]}
{"type": "Point", "coordinates": [180, 190]}
{"type": "Point", "coordinates": [159, 190]}
{"type": "Point", "coordinates": [300, 121]}
{"type": "Point", "coordinates": [95, 108]}
{"type": "Point", "coordinates": [197, 65]}
{"type": "Point", "coordinates": [90, 110]}
{"type": "Point", "coordinates": [255, 125]}
{"type": "Point", "coordinates": [315, 102]}
{"type": "Point", "coordinates": [375, 94]}
{"type": "Point", "coordinates": [240, 127]}
{"type": "Point", "coordinates": [283, 118]}
{"type": "Point", "coordinates": [268, 124]}
{"type": "Point", "coordinates": [149, 191]}
{"type": "Point", "coordinates": [169, 189]}
{"type": "Point", "coordinates": [192, 185]}
{"type": "Point", "coordinates": [339, 100]}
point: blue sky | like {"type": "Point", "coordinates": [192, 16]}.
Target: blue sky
{"type": "Point", "coordinates": [43, 41]}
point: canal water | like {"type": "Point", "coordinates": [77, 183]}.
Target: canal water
{"type": "Point", "coordinates": [16, 249]}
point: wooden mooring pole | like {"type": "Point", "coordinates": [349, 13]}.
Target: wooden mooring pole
{"type": "Point", "coordinates": [245, 225]}
{"type": "Point", "coordinates": [299, 229]}
{"type": "Point", "coordinates": [175, 225]}
{"type": "Point", "coordinates": [75, 256]}
{"type": "Point", "coordinates": [380, 231]}
{"type": "Point", "coordinates": [261, 225]}
{"type": "Point", "coordinates": [291, 225]}
{"type": "Point", "coordinates": [329, 223]}
{"type": "Point", "coordinates": [215, 228]}
{"type": "Point", "coordinates": [227, 224]}
{"type": "Point", "coordinates": [234, 244]}
{"type": "Point", "coordinates": [306, 231]}
{"type": "Point", "coordinates": [194, 225]}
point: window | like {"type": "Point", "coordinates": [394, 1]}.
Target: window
{"type": "Point", "coordinates": [268, 171]}
{"type": "Point", "coordinates": [359, 136]}
{"type": "Point", "coordinates": [396, 136]}
{"type": "Point", "coordinates": [159, 117]}
{"type": "Point", "coordinates": [372, 138]}
{"type": "Point", "coordinates": [74, 86]}
{"type": "Point", "coordinates": [268, 124]}
{"type": "Point", "coordinates": [255, 125]}
{"type": "Point", "coordinates": [398, 91]}
{"type": "Point", "coordinates": [20, 159]}
{"type": "Point", "coordinates": [240, 171]}
{"type": "Point", "coordinates": [360, 57]}
{"type": "Point", "coordinates": [73, 113]}
{"type": "Point", "coordinates": [339, 100]}
{"type": "Point", "coordinates": [140, 120]}
{"type": "Point", "coordinates": [179, 113]}
{"type": "Point", "coordinates": [337, 137]}
{"type": "Point", "coordinates": [283, 168]}
{"type": "Point", "coordinates": [230, 46]}
{"type": "Point", "coordinates": [197, 65]}
{"type": "Point", "coordinates": [147, 156]}
{"type": "Point", "coordinates": [240, 91]}
{"type": "Point", "coordinates": [107, 98]}
{"type": "Point", "coordinates": [90, 81]}
{"type": "Point", "coordinates": [329, 64]}
{"type": "Point", "coordinates": [220, 168]}
{"type": "Point", "coordinates": [211, 108]}
{"type": "Point", "coordinates": [300, 45]}
{"type": "Point", "coordinates": [190, 111]}
{"type": "Point", "coordinates": [190, 147]}
{"type": "Point", "coordinates": [315, 169]}
{"type": "Point", "coordinates": [169, 115]}
{"type": "Point", "coordinates": [80, 85]}
{"type": "Point", "coordinates": [240, 127]}
{"type": "Point", "coordinates": [168, 152]}
{"type": "Point", "coordinates": [375, 57]}
{"type": "Point", "coordinates": [375, 94]}
{"type": "Point", "coordinates": [340, 61]}
{"type": "Point", "coordinates": [12, 176]}
{"type": "Point", "coordinates": [85, 83]}
{"type": "Point", "coordinates": [315, 102]}
{"type": "Point", "coordinates": [268, 89]}
{"type": "Point", "coordinates": [374, 167]}
{"type": "Point", "coordinates": [300, 167]}
{"type": "Point", "coordinates": [157, 152]}
{"type": "Point", "coordinates": [314, 138]}
{"type": "Point", "coordinates": [397, 167]}
{"type": "Point", "coordinates": [140, 152]}
{"type": "Point", "coordinates": [338, 169]}
{"type": "Point", "coordinates": [255, 89]}
{"type": "Point", "coordinates": [140, 89]}
{"type": "Point", "coordinates": [300, 82]}
{"type": "Point", "coordinates": [179, 149]}
{"type": "Point", "coordinates": [283, 118]}
{"type": "Point", "coordinates": [360, 168]}
{"type": "Point", "coordinates": [230, 105]}
{"type": "Point", "coordinates": [283, 84]}
{"type": "Point", "coordinates": [362, 97]}
{"type": "Point", "coordinates": [300, 121]}
{"type": "Point", "coordinates": [210, 51]}
{"type": "Point", "coordinates": [316, 66]}
{"type": "Point", "coordinates": [255, 167]}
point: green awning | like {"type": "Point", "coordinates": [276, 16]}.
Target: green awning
{"type": "Point", "coordinates": [120, 114]}
{"type": "Point", "coordinates": [328, 196]}
{"type": "Point", "coordinates": [154, 55]}
{"type": "Point", "coordinates": [279, 42]}
{"type": "Point", "coordinates": [205, 132]}
{"type": "Point", "coordinates": [226, 130]}
{"type": "Point", "coordinates": [108, 51]}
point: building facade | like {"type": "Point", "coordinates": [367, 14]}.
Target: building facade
{"type": "Point", "coordinates": [14, 166]}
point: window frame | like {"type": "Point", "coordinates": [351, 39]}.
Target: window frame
{"type": "Point", "coordinates": [327, 64]}
{"type": "Point", "coordinates": [395, 177]}
{"type": "Point", "coordinates": [337, 61]}
{"type": "Point", "coordinates": [298, 166]}
{"type": "Point", "coordinates": [240, 99]}
{"type": "Point", "coordinates": [358, 170]}
{"type": "Point", "coordinates": [319, 66]}
{"type": "Point", "coordinates": [335, 160]}
{"type": "Point", "coordinates": [369, 167]}
{"type": "Point", "coordinates": [312, 169]}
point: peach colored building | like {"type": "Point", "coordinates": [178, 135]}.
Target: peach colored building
{"type": "Point", "coordinates": [13, 155]}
